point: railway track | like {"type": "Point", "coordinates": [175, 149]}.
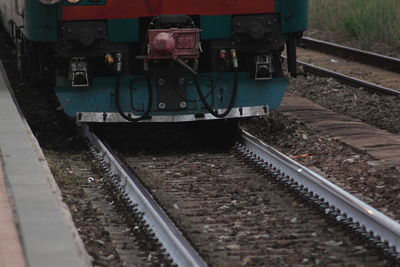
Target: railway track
{"type": "Point", "coordinates": [282, 242]}
{"type": "Point", "coordinates": [236, 213]}
{"type": "Point", "coordinates": [373, 59]}
{"type": "Point", "coordinates": [364, 57]}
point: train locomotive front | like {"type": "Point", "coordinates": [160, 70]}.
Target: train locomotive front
{"type": "Point", "coordinates": [158, 60]}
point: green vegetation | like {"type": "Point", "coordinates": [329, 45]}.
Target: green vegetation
{"type": "Point", "coordinates": [368, 20]}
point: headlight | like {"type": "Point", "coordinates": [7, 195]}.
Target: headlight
{"type": "Point", "coordinates": [49, 2]}
{"type": "Point", "coordinates": [73, 1]}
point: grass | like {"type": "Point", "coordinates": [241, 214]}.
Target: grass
{"type": "Point", "coordinates": [368, 20]}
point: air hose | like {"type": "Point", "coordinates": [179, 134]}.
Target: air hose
{"type": "Point", "coordinates": [203, 98]}
{"type": "Point", "coordinates": [231, 101]}
{"type": "Point", "coordinates": [118, 104]}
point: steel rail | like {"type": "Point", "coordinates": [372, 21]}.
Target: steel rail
{"type": "Point", "coordinates": [347, 79]}
{"type": "Point", "coordinates": [373, 220]}
{"type": "Point", "coordinates": [373, 59]}
{"type": "Point", "coordinates": [180, 250]}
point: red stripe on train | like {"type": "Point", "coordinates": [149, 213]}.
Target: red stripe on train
{"type": "Point", "coordinates": [121, 9]}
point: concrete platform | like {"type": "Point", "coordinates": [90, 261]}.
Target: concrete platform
{"type": "Point", "coordinates": [45, 229]}
{"type": "Point", "coordinates": [10, 246]}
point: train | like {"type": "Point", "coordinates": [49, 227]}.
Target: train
{"type": "Point", "coordinates": [158, 60]}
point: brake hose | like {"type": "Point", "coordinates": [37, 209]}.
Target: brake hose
{"type": "Point", "coordinates": [203, 98]}
{"type": "Point", "coordinates": [118, 104]}
{"type": "Point", "coordinates": [231, 101]}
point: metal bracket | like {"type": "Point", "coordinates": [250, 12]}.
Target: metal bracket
{"type": "Point", "coordinates": [78, 72]}
{"type": "Point", "coordinates": [263, 67]}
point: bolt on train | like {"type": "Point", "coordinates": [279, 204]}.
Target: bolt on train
{"type": "Point", "coordinates": [158, 60]}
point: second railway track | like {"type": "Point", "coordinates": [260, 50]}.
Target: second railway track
{"type": "Point", "coordinates": [370, 76]}
{"type": "Point", "coordinates": [235, 213]}
{"type": "Point", "coordinates": [373, 59]}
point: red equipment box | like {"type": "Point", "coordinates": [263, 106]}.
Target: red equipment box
{"type": "Point", "coordinates": [174, 43]}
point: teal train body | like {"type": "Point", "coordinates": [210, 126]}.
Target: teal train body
{"type": "Point", "coordinates": [158, 61]}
